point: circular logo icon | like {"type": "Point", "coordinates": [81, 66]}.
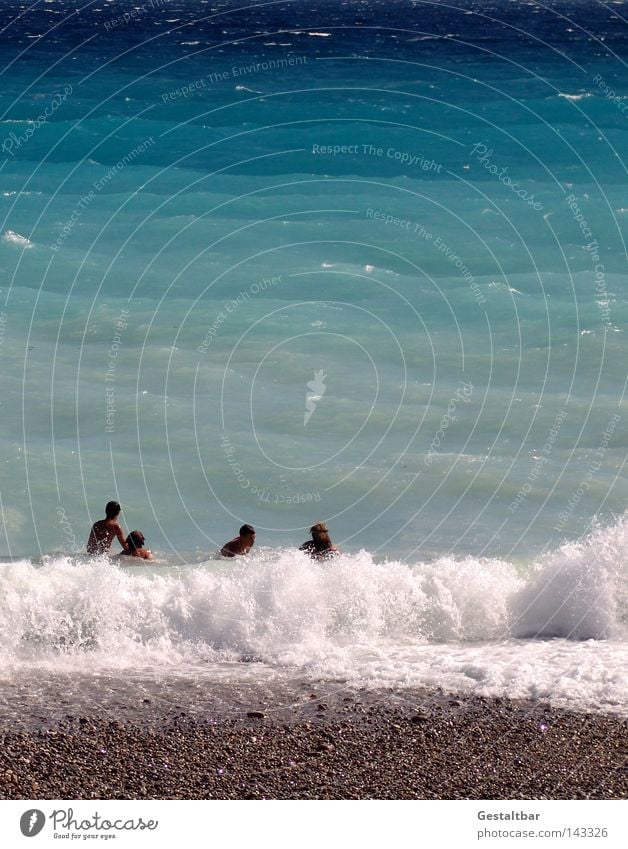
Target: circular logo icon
{"type": "Point", "coordinates": [32, 822]}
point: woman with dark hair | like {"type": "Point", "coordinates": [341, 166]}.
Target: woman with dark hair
{"type": "Point", "coordinates": [241, 544]}
{"type": "Point", "coordinates": [320, 547]}
{"type": "Point", "coordinates": [134, 547]}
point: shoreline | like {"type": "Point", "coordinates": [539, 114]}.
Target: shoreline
{"type": "Point", "coordinates": [306, 740]}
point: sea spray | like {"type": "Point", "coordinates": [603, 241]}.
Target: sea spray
{"type": "Point", "coordinates": [578, 592]}
{"type": "Point", "coordinates": [472, 624]}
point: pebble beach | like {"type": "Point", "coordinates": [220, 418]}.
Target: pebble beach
{"type": "Point", "coordinates": [310, 741]}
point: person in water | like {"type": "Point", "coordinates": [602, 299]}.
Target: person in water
{"type": "Point", "coordinates": [320, 547]}
{"type": "Point", "coordinates": [134, 547]}
{"type": "Point", "coordinates": [105, 530]}
{"type": "Point", "coordinates": [241, 544]}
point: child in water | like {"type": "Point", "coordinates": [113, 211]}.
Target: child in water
{"type": "Point", "coordinates": [105, 530]}
{"type": "Point", "coordinates": [134, 547]}
{"type": "Point", "coordinates": [320, 547]}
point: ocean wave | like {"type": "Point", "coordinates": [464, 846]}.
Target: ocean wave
{"type": "Point", "coordinates": [576, 97]}
{"type": "Point", "coordinates": [555, 629]}
{"type": "Point", "coordinates": [274, 602]}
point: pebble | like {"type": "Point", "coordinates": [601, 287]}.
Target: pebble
{"type": "Point", "coordinates": [419, 717]}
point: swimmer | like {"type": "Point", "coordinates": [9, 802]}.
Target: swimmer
{"type": "Point", "coordinates": [103, 531]}
{"type": "Point", "coordinates": [241, 544]}
{"type": "Point", "coordinates": [320, 547]}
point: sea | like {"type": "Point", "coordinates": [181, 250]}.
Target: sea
{"type": "Point", "coordinates": [284, 262]}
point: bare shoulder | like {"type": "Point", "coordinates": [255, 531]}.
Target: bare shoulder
{"type": "Point", "coordinates": [230, 548]}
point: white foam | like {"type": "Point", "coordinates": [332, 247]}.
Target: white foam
{"type": "Point", "coordinates": [472, 625]}
{"type": "Point", "coordinates": [578, 592]}
{"type": "Point", "coordinates": [575, 97]}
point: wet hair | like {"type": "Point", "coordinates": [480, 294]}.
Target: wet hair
{"type": "Point", "coordinates": [320, 535]}
{"type": "Point", "coordinates": [135, 540]}
{"type": "Point", "coordinates": [112, 509]}
{"type": "Point", "coordinates": [247, 530]}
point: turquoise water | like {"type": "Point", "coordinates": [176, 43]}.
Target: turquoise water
{"type": "Point", "coordinates": [227, 220]}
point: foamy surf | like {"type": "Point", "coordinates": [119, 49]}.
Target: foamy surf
{"type": "Point", "coordinates": [12, 238]}
{"type": "Point", "coordinates": [555, 630]}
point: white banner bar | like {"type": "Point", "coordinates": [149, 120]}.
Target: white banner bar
{"type": "Point", "coordinates": [318, 824]}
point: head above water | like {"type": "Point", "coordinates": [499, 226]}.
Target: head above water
{"type": "Point", "coordinates": [112, 509]}
{"type": "Point", "coordinates": [247, 531]}
{"type": "Point", "coordinates": [135, 540]}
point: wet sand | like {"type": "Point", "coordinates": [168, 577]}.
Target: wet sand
{"type": "Point", "coordinates": [299, 740]}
